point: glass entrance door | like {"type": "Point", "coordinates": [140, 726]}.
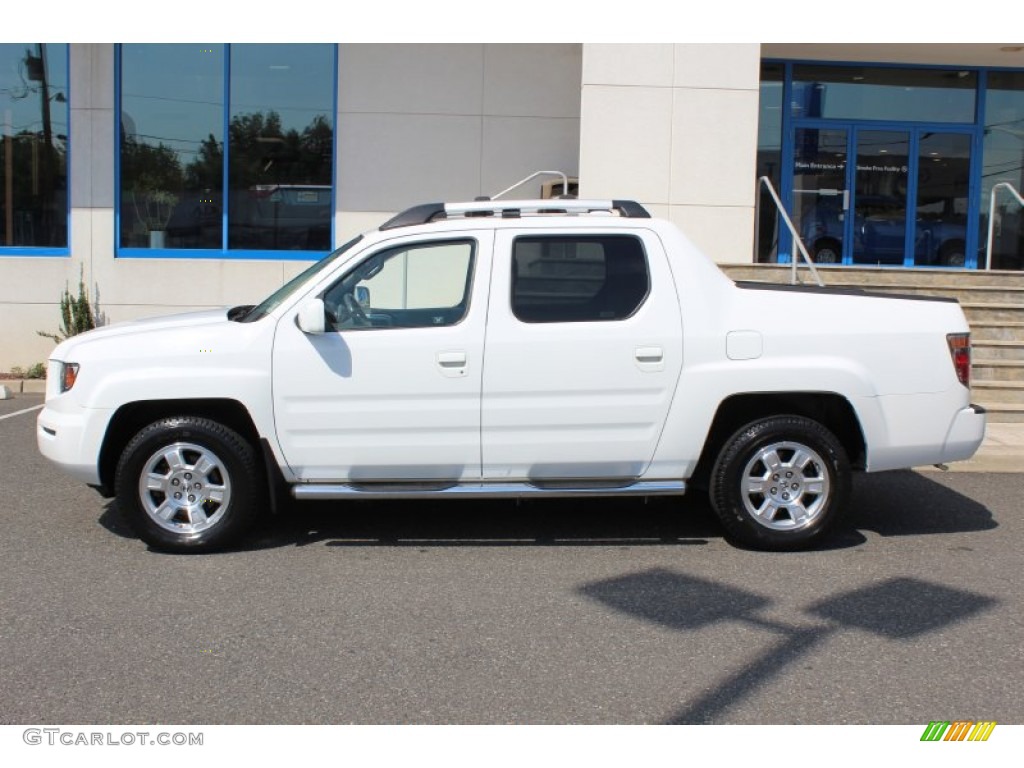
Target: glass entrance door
{"type": "Point", "coordinates": [880, 197]}
{"type": "Point", "coordinates": [857, 212]}
{"type": "Point", "coordinates": [820, 193]}
{"type": "Point", "coordinates": [943, 200]}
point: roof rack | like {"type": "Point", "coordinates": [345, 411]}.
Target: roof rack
{"type": "Point", "coordinates": [513, 209]}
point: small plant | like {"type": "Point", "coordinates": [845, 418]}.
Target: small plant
{"type": "Point", "coordinates": [37, 371]}
{"type": "Point", "coordinates": [76, 314]}
{"type": "Point", "coordinates": [18, 372]}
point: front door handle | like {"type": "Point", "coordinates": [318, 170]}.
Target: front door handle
{"type": "Point", "coordinates": [451, 359]}
{"type": "Point", "coordinates": [452, 364]}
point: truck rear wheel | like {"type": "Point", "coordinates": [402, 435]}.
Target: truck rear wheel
{"type": "Point", "coordinates": [188, 484]}
{"type": "Point", "coordinates": [780, 483]}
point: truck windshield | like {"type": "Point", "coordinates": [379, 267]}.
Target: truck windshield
{"type": "Point", "coordinates": [274, 300]}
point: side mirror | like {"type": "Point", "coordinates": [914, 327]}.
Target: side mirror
{"type": "Point", "coordinates": [312, 317]}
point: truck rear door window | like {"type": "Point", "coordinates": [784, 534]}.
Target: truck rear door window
{"type": "Point", "coordinates": [588, 278]}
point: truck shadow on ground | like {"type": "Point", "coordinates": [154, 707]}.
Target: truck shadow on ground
{"type": "Point", "coordinates": [900, 503]}
{"type": "Point", "coordinates": [896, 610]}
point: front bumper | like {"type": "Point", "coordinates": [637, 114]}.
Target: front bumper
{"type": "Point", "coordinates": [71, 438]}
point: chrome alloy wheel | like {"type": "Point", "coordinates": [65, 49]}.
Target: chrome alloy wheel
{"type": "Point", "coordinates": [785, 486]}
{"type": "Point", "coordinates": [184, 488]}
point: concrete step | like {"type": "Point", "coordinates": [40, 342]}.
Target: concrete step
{"type": "Point", "coordinates": [987, 391]}
{"type": "Point", "coordinates": [980, 294]}
{"type": "Point", "coordinates": [997, 349]}
{"type": "Point", "coordinates": [1003, 413]}
{"type": "Point", "coordinates": [997, 370]}
{"type": "Point", "coordinates": [995, 330]}
{"type": "Point", "coordinates": [878, 276]}
{"type": "Point", "coordinates": [991, 312]}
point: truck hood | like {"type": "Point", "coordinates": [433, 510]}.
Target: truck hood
{"type": "Point", "coordinates": [144, 325]}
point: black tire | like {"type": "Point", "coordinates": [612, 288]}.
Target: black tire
{"type": "Point", "coordinates": [827, 252]}
{"type": "Point", "coordinates": [780, 483]}
{"type": "Point", "coordinates": [189, 484]}
{"type": "Point", "coordinates": [953, 254]}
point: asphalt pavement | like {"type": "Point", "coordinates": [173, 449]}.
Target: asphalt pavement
{"type": "Point", "coordinates": [615, 611]}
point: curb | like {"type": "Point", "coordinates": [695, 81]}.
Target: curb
{"type": "Point", "coordinates": [23, 386]}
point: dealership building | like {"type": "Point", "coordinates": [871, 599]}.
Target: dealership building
{"type": "Point", "coordinates": [185, 176]}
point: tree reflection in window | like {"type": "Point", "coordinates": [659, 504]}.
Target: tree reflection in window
{"type": "Point", "coordinates": [280, 136]}
{"type": "Point", "coordinates": [33, 145]}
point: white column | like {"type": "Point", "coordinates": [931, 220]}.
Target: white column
{"type": "Point", "coordinates": [675, 128]}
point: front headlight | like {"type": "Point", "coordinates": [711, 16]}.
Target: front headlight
{"type": "Point", "coordinates": [68, 376]}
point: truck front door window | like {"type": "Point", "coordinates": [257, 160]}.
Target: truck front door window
{"type": "Point", "coordinates": [411, 286]}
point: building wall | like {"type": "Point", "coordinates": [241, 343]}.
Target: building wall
{"type": "Point", "coordinates": [675, 128]}
{"type": "Point", "coordinates": [415, 123]}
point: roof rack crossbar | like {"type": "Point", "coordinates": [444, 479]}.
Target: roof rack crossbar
{"type": "Point", "coordinates": [626, 208]}
{"type": "Point", "coordinates": [424, 214]}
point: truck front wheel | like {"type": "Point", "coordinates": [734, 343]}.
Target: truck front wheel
{"type": "Point", "coordinates": [780, 483]}
{"type": "Point", "coordinates": [188, 484]}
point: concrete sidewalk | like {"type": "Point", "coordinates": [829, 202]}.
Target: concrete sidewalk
{"type": "Point", "coordinates": [1002, 451]}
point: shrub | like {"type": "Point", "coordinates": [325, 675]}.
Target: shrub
{"type": "Point", "coordinates": [76, 314]}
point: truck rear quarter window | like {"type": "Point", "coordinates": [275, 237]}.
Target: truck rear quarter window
{"type": "Point", "coordinates": [575, 279]}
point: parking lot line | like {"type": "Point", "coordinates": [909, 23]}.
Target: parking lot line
{"type": "Point", "coordinates": [18, 413]}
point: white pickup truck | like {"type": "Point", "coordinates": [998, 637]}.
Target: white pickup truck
{"type": "Point", "coordinates": [513, 348]}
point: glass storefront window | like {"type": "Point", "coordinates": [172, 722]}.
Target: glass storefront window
{"type": "Point", "coordinates": [172, 138]}
{"type": "Point", "coordinates": [34, 148]}
{"type": "Point", "coordinates": [1003, 161]}
{"type": "Point", "coordinates": [273, 119]}
{"type": "Point", "coordinates": [281, 147]}
{"type": "Point", "coordinates": [883, 93]}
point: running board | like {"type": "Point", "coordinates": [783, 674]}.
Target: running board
{"type": "Point", "coordinates": [485, 490]}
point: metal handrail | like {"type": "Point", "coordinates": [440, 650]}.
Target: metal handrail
{"type": "Point", "coordinates": [565, 182]}
{"type": "Point", "coordinates": [789, 224]}
{"type": "Point", "coordinates": [992, 216]}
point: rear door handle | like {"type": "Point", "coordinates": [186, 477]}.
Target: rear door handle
{"type": "Point", "coordinates": [649, 354]}
{"type": "Point", "coordinates": [649, 359]}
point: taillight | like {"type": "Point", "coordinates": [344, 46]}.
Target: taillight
{"type": "Point", "coordinates": [960, 351]}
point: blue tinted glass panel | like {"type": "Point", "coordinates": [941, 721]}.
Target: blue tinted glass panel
{"type": "Point", "coordinates": [34, 145]}
{"type": "Point", "coordinates": [280, 150]}
{"type": "Point", "coordinates": [878, 93]}
{"type": "Point", "coordinates": [880, 195]}
{"type": "Point", "coordinates": [943, 176]}
{"type": "Point", "coordinates": [769, 158]}
{"type": "Point", "coordinates": [171, 161]}
{"type": "Point", "coordinates": [1003, 161]}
